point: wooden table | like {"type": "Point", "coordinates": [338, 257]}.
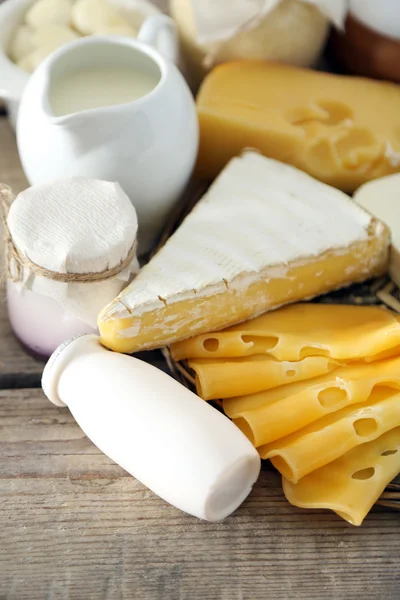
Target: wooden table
{"type": "Point", "coordinates": [75, 526]}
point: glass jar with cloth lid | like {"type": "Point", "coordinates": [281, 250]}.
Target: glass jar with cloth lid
{"type": "Point", "coordinates": [70, 247]}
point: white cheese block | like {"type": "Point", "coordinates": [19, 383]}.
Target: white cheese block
{"type": "Point", "coordinates": [265, 234]}
{"type": "Point", "coordinates": [381, 198]}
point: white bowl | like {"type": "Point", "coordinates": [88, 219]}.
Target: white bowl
{"type": "Point", "coordinates": [12, 78]}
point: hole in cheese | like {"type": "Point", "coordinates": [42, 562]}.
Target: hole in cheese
{"type": "Point", "coordinates": [337, 112]}
{"type": "Point", "coordinates": [245, 428]}
{"type": "Point", "coordinates": [290, 373]}
{"type": "Point", "coordinates": [389, 452]}
{"type": "Point", "coordinates": [211, 344]}
{"type": "Point", "coordinates": [365, 427]}
{"type": "Point", "coordinates": [353, 140]}
{"type": "Point", "coordinates": [261, 342]}
{"type": "Point", "coordinates": [310, 351]}
{"type": "Point", "coordinates": [304, 114]}
{"type": "Point", "coordinates": [324, 111]}
{"type": "Point", "coordinates": [331, 397]}
{"type": "Point", "coordinates": [364, 474]}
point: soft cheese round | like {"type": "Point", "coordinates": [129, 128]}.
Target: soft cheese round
{"type": "Point", "coordinates": [381, 198]}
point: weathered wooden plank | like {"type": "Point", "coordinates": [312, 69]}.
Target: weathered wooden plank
{"type": "Point", "coordinates": [73, 526]}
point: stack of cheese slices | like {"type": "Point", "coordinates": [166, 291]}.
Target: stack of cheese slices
{"type": "Point", "coordinates": [316, 388]}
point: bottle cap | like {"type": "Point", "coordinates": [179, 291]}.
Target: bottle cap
{"type": "Point", "coordinates": [57, 362]}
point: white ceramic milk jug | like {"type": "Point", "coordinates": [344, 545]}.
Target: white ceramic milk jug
{"type": "Point", "coordinates": [118, 109]}
{"type": "Point", "coordinates": [13, 78]}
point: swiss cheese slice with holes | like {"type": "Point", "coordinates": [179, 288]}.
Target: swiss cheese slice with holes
{"type": "Point", "coordinates": [337, 331]}
{"type": "Point", "coordinates": [264, 235]}
{"type": "Point", "coordinates": [275, 413]}
{"type": "Point", "coordinates": [224, 379]}
{"type": "Point", "coordinates": [351, 484]}
{"type": "Point", "coordinates": [327, 439]}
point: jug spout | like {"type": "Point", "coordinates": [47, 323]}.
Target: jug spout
{"type": "Point", "coordinates": [73, 121]}
{"type": "Point", "coordinates": [93, 78]}
{"type": "Point", "coordinates": [76, 123]}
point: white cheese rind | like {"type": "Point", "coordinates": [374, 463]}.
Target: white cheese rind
{"type": "Point", "coordinates": [259, 213]}
{"type": "Point", "coordinates": [381, 198]}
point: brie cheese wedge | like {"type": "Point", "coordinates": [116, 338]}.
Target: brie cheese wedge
{"type": "Point", "coordinates": [265, 234]}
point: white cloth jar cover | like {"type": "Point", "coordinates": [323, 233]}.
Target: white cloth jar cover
{"type": "Point", "coordinates": [75, 225]}
{"type": "Point", "coordinates": [220, 20]}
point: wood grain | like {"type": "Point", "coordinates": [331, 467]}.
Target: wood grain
{"type": "Point", "coordinates": [75, 526]}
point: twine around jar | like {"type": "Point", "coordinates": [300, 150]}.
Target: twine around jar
{"type": "Point", "coordinates": [20, 260]}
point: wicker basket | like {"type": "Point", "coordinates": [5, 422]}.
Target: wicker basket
{"type": "Point", "coordinates": [379, 292]}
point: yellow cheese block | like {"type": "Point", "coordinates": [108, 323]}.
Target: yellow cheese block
{"type": "Point", "coordinates": [330, 437]}
{"type": "Point", "coordinates": [351, 484]}
{"type": "Point", "coordinates": [292, 333]}
{"type": "Point", "coordinates": [270, 415]}
{"type": "Point", "coordinates": [224, 379]}
{"type": "Point", "coordinates": [342, 130]}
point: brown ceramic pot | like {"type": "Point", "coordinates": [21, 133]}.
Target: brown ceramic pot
{"type": "Point", "coordinates": [363, 51]}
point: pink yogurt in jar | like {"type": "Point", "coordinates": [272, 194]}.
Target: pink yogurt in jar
{"type": "Point", "coordinates": [39, 322]}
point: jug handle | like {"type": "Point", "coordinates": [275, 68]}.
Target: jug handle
{"type": "Point", "coordinates": [160, 32]}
